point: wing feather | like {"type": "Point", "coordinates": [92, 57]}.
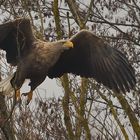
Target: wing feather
{"type": "Point", "coordinates": [4, 31]}
{"type": "Point", "coordinates": [16, 38]}
{"type": "Point", "coordinates": [93, 57]}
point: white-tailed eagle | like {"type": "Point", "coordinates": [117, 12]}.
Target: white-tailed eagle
{"type": "Point", "coordinates": [84, 54]}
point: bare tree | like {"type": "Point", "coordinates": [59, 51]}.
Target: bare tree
{"type": "Point", "coordinates": [87, 110]}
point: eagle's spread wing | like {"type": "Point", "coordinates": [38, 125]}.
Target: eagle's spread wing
{"type": "Point", "coordinates": [16, 38]}
{"type": "Point", "coordinates": [92, 57]}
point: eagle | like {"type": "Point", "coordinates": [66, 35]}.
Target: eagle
{"type": "Point", "coordinates": [84, 54]}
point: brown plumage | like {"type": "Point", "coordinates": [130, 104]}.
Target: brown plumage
{"type": "Point", "coordinates": [84, 54]}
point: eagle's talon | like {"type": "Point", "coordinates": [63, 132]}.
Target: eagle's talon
{"type": "Point", "coordinates": [29, 96]}
{"type": "Point", "coordinates": [25, 94]}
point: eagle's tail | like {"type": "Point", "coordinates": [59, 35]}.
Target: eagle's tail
{"type": "Point", "coordinates": [6, 87]}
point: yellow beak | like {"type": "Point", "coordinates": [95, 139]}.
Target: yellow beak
{"type": "Point", "coordinates": [68, 44]}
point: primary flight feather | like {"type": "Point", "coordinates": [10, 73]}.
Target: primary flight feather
{"type": "Point", "coordinates": [84, 54]}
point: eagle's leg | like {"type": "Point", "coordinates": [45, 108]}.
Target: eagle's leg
{"type": "Point", "coordinates": [16, 83]}
{"type": "Point", "coordinates": [35, 82]}
{"type": "Point", "coordinates": [17, 95]}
